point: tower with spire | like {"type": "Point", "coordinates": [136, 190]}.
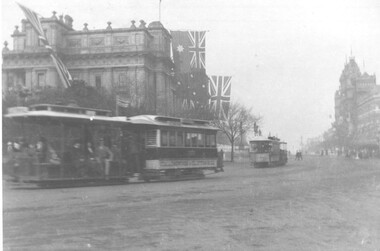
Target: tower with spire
{"type": "Point", "coordinates": [355, 87]}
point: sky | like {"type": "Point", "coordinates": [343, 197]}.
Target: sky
{"type": "Point", "coordinates": [285, 57]}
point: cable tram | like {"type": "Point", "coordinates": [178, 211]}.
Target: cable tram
{"type": "Point", "coordinates": [53, 145]}
{"type": "Point", "coordinates": [267, 152]}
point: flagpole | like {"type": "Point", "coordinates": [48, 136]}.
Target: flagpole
{"type": "Point", "coordinates": [159, 10]}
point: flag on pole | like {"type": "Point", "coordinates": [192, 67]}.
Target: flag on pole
{"type": "Point", "coordinates": [220, 92]}
{"type": "Point", "coordinates": [63, 73]}
{"type": "Point", "coordinates": [189, 56]}
{"type": "Point", "coordinates": [34, 20]}
{"type": "Point", "coordinates": [189, 51]}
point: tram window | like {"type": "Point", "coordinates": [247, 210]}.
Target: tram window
{"type": "Point", "coordinates": [151, 139]}
{"type": "Point", "coordinates": [201, 140]}
{"type": "Point", "coordinates": [180, 139]}
{"type": "Point", "coordinates": [265, 147]}
{"type": "Point", "coordinates": [270, 146]}
{"type": "Point", "coordinates": [254, 147]}
{"type": "Point", "coordinates": [213, 140]}
{"type": "Point", "coordinates": [208, 140]}
{"type": "Point", "coordinates": [40, 79]}
{"type": "Point", "coordinates": [194, 139]}
{"type": "Point", "coordinates": [172, 139]}
{"type": "Point", "coordinates": [188, 139]}
{"type": "Point", "coordinates": [98, 81]}
{"type": "Point", "coordinates": [164, 138]}
{"type": "Point", "coordinates": [283, 146]}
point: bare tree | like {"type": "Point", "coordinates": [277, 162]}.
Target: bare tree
{"type": "Point", "coordinates": [239, 121]}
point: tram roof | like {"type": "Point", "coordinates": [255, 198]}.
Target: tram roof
{"type": "Point", "coordinates": [70, 109]}
{"type": "Point", "coordinates": [171, 121]}
{"type": "Point", "coordinates": [24, 112]}
{"type": "Point", "coordinates": [263, 139]}
{"type": "Point", "coordinates": [60, 112]}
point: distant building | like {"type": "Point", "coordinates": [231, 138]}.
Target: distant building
{"type": "Point", "coordinates": [357, 104]}
{"type": "Point", "coordinates": [368, 126]}
{"type": "Point", "coordinates": [134, 62]}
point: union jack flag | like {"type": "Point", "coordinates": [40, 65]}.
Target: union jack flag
{"type": "Point", "coordinates": [197, 49]}
{"type": "Point", "coordinates": [34, 20]}
{"type": "Point", "coordinates": [220, 92]}
{"type": "Point", "coordinates": [189, 51]}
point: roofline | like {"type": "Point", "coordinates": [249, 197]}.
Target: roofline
{"type": "Point", "coordinates": [181, 122]}
{"type": "Point", "coordinates": [61, 115]}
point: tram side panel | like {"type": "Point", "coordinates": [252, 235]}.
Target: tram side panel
{"type": "Point", "coordinates": [177, 153]}
{"type": "Point", "coordinates": [258, 159]}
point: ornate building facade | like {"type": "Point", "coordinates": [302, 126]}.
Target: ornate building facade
{"type": "Point", "coordinates": [133, 62]}
{"type": "Point", "coordinates": [368, 127]}
{"type": "Point", "coordinates": [357, 105]}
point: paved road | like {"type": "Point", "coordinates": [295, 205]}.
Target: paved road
{"type": "Point", "coordinates": [315, 204]}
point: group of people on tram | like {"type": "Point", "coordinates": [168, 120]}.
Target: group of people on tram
{"type": "Point", "coordinates": [85, 160]}
{"type": "Point", "coordinates": [77, 159]}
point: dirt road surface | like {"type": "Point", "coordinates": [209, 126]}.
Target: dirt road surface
{"type": "Point", "coordinates": [315, 204]}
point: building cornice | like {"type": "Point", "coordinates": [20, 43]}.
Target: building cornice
{"type": "Point", "coordinates": [55, 20]}
{"type": "Point", "coordinates": [105, 31]}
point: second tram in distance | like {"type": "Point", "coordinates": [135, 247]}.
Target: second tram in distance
{"type": "Point", "coordinates": [269, 151]}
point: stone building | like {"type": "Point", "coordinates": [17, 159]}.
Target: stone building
{"type": "Point", "coordinates": [133, 62]}
{"type": "Point", "coordinates": [357, 104]}
{"type": "Point", "coordinates": [368, 126]}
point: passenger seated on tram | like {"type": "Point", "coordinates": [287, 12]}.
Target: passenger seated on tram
{"type": "Point", "coordinates": [9, 147]}
{"type": "Point", "coordinates": [16, 147]}
{"type": "Point", "coordinates": [44, 152]}
{"type": "Point", "coordinates": [115, 149]}
{"type": "Point", "coordinates": [93, 168]}
{"type": "Point", "coordinates": [42, 149]}
{"type": "Point", "coordinates": [90, 152]}
{"type": "Point", "coordinates": [78, 159]}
